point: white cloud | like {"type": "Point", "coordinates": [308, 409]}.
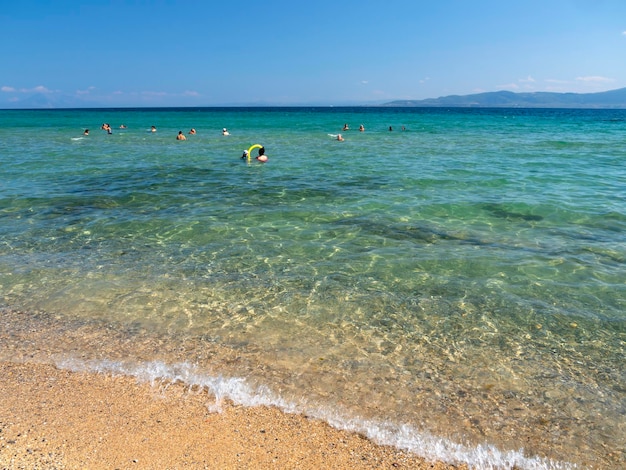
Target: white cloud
{"type": "Point", "coordinates": [37, 89]}
{"type": "Point", "coordinates": [191, 93]}
{"type": "Point", "coordinates": [527, 80]}
{"type": "Point", "coordinates": [364, 82]}
{"type": "Point", "coordinates": [624, 33]}
{"type": "Point", "coordinates": [595, 79]}
{"type": "Point", "coordinates": [85, 92]}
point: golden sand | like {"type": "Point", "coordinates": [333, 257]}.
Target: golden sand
{"type": "Point", "coordinates": [51, 418]}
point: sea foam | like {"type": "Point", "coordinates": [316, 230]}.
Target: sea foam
{"type": "Point", "coordinates": [240, 392]}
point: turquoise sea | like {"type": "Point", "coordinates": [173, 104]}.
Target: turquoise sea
{"type": "Point", "coordinates": [456, 288]}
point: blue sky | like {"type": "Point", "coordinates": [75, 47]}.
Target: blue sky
{"type": "Point", "coordinates": [275, 52]}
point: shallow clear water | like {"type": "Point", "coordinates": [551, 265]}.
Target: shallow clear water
{"type": "Point", "coordinates": [446, 288]}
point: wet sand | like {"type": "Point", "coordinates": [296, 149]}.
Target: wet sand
{"type": "Point", "coordinates": [52, 418]}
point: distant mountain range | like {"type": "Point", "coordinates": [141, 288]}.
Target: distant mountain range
{"type": "Point", "coordinates": [615, 99]}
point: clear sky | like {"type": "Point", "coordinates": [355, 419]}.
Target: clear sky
{"type": "Point", "coordinates": [275, 52]}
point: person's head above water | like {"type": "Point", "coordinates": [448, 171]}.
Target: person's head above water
{"type": "Point", "coordinates": [262, 157]}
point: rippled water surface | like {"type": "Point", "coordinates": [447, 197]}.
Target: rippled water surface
{"type": "Point", "coordinates": [456, 288]}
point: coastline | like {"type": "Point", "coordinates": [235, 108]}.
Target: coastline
{"type": "Point", "coordinates": [53, 418]}
{"type": "Point", "coordinates": [407, 301]}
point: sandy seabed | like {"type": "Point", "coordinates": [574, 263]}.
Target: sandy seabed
{"type": "Point", "coordinates": [58, 419]}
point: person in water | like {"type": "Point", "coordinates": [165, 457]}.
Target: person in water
{"type": "Point", "coordinates": [192, 131]}
{"type": "Point", "coordinates": [245, 155]}
{"type": "Point", "coordinates": [339, 137]}
{"type": "Point", "coordinates": [225, 132]}
{"type": "Point", "coordinates": [153, 129]}
{"type": "Point", "coordinates": [345, 127]}
{"type": "Point", "coordinates": [181, 136]}
{"type": "Point", "coordinates": [86, 132]}
{"type": "Point", "coordinates": [261, 156]}
{"type": "Point", "coordinates": [361, 128]}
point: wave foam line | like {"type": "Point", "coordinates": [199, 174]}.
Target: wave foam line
{"type": "Point", "coordinates": [402, 436]}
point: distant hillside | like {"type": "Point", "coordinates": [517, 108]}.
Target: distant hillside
{"type": "Point", "coordinates": [46, 101]}
{"type": "Point", "coordinates": [506, 99]}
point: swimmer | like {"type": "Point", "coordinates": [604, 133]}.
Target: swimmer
{"type": "Point", "coordinates": [105, 126]}
{"type": "Point", "coordinates": [361, 128]}
{"type": "Point", "coordinates": [339, 138]}
{"type": "Point", "coordinates": [345, 127]}
{"type": "Point", "coordinates": [122, 126]}
{"type": "Point", "coordinates": [192, 131]}
{"type": "Point", "coordinates": [152, 128]}
{"type": "Point", "coordinates": [262, 157]}
{"type": "Point", "coordinates": [390, 128]}
{"type": "Point", "coordinates": [245, 155]}
{"type": "Point", "coordinates": [225, 132]}
{"type": "Point", "coordinates": [86, 132]}
{"type": "Point", "coordinates": [181, 136]}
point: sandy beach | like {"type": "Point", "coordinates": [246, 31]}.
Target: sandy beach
{"type": "Point", "coordinates": [52, 418]}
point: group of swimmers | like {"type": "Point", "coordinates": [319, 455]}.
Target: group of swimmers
{"type": "Point", "coordinates": [180, 135]}
{"type": "Point", "coordinates": [192, 131]}
{"type": "Point", "coordinates": [107, 127]}
{"type": "Point", "coordinates": [261, 157]}
{"type": "Point", "coordinates": [346, 127]}
{"type": "Point", "coordinates": [361, 129]}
